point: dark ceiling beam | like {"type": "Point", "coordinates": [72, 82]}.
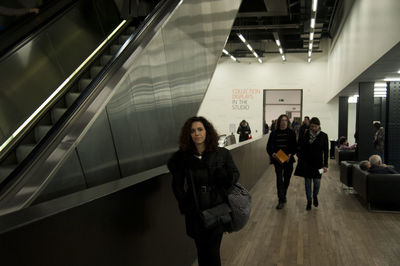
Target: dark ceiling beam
{"type": "Point", "coordinates": [258, 14]}
{"type": "Point", "coordinates": [267, 27]}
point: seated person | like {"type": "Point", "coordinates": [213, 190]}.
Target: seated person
{"type": "Point", "coordinates": [344, 144]}
{"type": "Point", "coordinates": [377, 167]}
{"type": "Point", "coordinates": [365, 165]}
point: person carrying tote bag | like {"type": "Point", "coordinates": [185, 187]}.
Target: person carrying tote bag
{"type": "Point", "coordinates": [200, 168]}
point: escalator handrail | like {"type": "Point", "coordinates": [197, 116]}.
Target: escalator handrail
{"type": "Point", "coordinates": [18, 135]}
{"type": "Point", "coordinates": [54, 136]}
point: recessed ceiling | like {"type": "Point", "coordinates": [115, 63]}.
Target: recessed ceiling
{"type": "Point", "coordinates": [262, 21]}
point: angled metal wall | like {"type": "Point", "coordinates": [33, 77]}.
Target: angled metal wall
{"type": "Point", "coordinates": [162, 87]}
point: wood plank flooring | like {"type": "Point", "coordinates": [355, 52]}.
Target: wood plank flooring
{"type": "Point", "coordinates": [339, 232]}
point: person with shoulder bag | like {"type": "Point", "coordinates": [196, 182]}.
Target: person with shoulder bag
{"type": "Point", "coordinates": [313, 160]}
{"type": "Point", "coordinates": [202, 173]}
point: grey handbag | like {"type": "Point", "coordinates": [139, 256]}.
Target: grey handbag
{"type": "Point", "coordinates": [239, 200]}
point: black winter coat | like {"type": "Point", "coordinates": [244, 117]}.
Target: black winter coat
{"type": "Point", "coordinates": [312, 156]}
{"type": "Point", "coordinates": [272, 146]}
{"type": "Point", "coordinates": [216, 167]}
{"type": "Point", "coordinates": [242, 132]}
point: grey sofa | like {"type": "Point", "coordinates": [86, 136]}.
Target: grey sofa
{"type": "Point", "coordinates": [345, 155]}
{"type": "Point", "coordinates": [346, 172]}
{"type": "Point", "coordinates": [378, 191]}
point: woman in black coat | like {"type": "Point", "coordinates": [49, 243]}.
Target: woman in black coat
{"type": "Point", "coordinates": [313, 159]}
{"type": "Point", "coordinates": [212, 170]}
{"type": "Point", "coordinates": [244, 131]}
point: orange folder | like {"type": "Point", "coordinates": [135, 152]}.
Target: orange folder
{"type": "Point", "coordinates": [282, 156]}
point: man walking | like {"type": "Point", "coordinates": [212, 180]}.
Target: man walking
{"type": "Point", "coordinates": [283, 139]}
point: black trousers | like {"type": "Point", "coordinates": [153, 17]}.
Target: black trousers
{"type": "Point", "coordinates": [283, 175]}
{"type": "Point", "coordinates": [208, 247]}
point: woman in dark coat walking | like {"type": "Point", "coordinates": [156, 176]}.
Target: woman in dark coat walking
{"type": "Point", "coordinates": [313, 160]}
{"type": "Point", "coordinates": [212, 170]}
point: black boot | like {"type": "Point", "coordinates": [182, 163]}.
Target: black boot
{"type": "Point", "coordinates": [315, 201]}
{"type": "Point", "coordinates": [280, 205]}
{"type": "Point", "coordinates": [308, 208]}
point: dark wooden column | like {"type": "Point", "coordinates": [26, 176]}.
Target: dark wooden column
{"type": "Point", "coordinates": [392, 151]}
{"type": "Point", "coordinates": [365, 115]}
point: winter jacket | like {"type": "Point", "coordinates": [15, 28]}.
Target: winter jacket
{"type": "Point", "coordinates": [215, 170]}
{"type": "Point", "coordinates": [284, 140]}
{"type": "Point", "coordinates": [312, 156]}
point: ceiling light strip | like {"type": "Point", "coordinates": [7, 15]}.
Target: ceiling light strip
{"type": "Point", "coordinates": [278, 43]}
{"type": "Point", "coordinates": [312, 28]}
{"type": "Point", "coordinates": [231, 56]}
{"type": "Point", "coordinates": [249, 47]}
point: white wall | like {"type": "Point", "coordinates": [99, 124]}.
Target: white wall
{"type": "Point", "coordinates": [351, 122]}
{"type": "Point", "coordinates": [295, 73]}
{"type": "Point", "coordinates": [371, 29]}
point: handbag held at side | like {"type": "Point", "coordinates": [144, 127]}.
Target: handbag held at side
{"type": "Point", "coordinates": [232, 215]}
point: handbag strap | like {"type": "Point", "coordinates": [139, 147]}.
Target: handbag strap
{"type": "Point", "coordinates": [194, 191]}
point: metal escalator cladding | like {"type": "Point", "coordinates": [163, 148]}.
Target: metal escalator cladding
{"type": "Point", "coordinates": [129, 121]}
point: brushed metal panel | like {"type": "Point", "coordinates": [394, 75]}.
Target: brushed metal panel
{"type": "Point", "coordinates": [68, 179]}
{"type": "Point", "coordinates": [125, 129]}
{"type": "Point", "coordinates": [74, 37]}
{"type": "Point", "coordinates": [162, 93]}
{"type": "Point", "coordinates": [23, 86]}
{"type": "Point", "coordinates": [97, 154]}
{"type": "Point", "coordinates": [167, 82]}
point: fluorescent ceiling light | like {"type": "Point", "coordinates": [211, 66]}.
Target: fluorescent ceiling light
{"type": "Point", "coordinates": [380, 85]}
{"type": "Point", "coordinates": [314, 5]}
{"type": "Point", "coordinates": [233, 58]}
{"type": "Point", "coordinates": [398, 71]}
{"type": "Point", "coordinates": [283, 58]}
{"type": "Point", "coordinates": [392, 79]}
{"type": "Point", "coordinates": [241, 37]}
{"type": "Point", "coordinates": [225, 52]}
{"type": "Point", "coordinates": [309, 53]}
{"type": "Point", "coordinates": [380, 89]}
{"type": "Point", "coordinates": [259, 60]}
{"type": "Point", "coordinates": [255, 54]}
{"type": "Point", "coordinates": [312, 25]}
{"type": "Point", "coordinates": [310, 46]}
{"type": "Point", "coordinates": [311, 36]}
{"type": "Point", "coordinates": [278, 42]}
{"type": "Point", "coordinates": [280, 50]}
{"type": "Point", "coordinates": [352, 99]}
{"type": "Point", "coordinates": [309, 60]}
{"type": "Point", "coordinates": [250, 48]}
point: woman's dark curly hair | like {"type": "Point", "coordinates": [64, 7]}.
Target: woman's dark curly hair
{"type": "Point", "coordinates": [278, 123]}
{"type": "Point", "coordinates": [185, 139]}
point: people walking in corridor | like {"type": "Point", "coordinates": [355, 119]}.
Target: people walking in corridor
{"type": "Point", "coordinates": [201, 172]}
{"type": "Point", "coordinates": [313, 160]}
{"type": "Point", "coordinates": [282, 139]}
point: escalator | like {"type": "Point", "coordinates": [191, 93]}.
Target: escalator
{"type": "Point", "coordinates": [120, 111]}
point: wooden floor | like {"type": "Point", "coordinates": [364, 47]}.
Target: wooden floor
{"type": "Point", "coordinates": [339, 232]}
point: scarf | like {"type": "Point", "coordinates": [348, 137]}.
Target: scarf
{"type": "Point", "coordinates": [313, 135]}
